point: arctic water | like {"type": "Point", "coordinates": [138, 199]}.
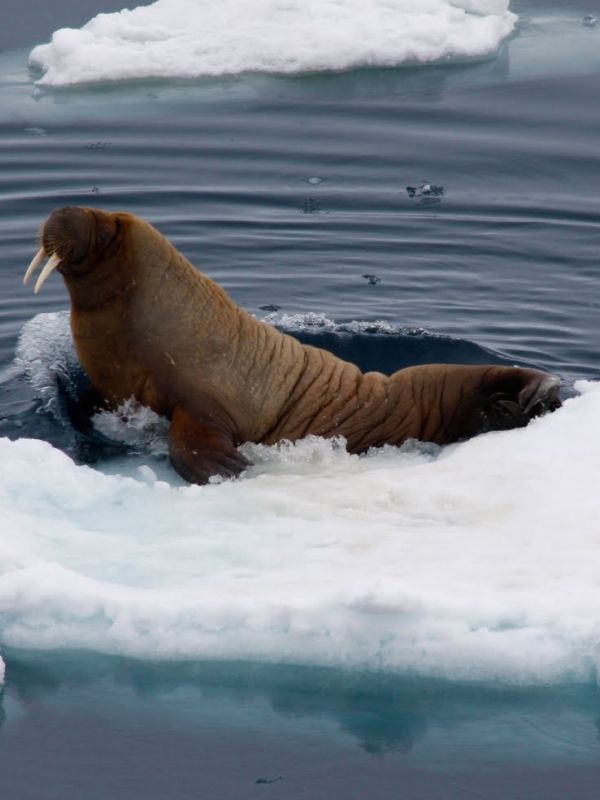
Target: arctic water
{"type": "Point", "coordinates": [328, 623]}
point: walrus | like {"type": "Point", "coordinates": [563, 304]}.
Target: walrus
{"type": "Point", "coordinates": [147, 324]}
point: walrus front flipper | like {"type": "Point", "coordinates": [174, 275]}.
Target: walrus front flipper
{"type": "Point", "coordinates": [199, 450]}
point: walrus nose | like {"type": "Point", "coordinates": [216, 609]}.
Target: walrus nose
{"type": "Point", "coordinates": [66, 235]}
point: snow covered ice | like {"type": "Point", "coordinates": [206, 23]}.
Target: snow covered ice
{"type": "Point", "coordinates": [476, 561]}
{"type": "Point", "coordinates": [190, 39]}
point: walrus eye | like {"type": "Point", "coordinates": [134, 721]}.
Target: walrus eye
{"type": "Point", "coordinates": [105, 234]}
{"type": "Point", "coordinates": [103, 237]}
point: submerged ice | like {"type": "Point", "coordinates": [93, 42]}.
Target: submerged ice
{"type": "Point", "coordinates": [189, 39]}
{"type": "Point", "coordinates": [477, 561]}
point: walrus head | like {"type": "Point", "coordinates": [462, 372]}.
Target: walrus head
{"type": "Point", "coordinates": [73, 240]}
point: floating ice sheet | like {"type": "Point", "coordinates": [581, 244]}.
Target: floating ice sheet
{"type": "Point", "coordinates": [477, 561]}
{"type": "Point", "coordinates": [189, 39]}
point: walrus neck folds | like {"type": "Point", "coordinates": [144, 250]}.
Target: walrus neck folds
{"type": "Point", "coordinates": [98, 289]}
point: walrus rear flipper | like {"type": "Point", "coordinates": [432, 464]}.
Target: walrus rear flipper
{"type": "Point", "coordinates": [521, 395]}
{"type": "Point", "coordinates": [507, 397]}
{"type": "Point", "coordinates": [199, 450]}
{"type": "Point", "coordinates": [455, 402]}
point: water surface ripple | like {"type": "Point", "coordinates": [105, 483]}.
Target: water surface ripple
{"type": "Point", "coordinates": [291, 202]}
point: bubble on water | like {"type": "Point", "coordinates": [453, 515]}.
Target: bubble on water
{"type": "Point", "coordinates": [425, 192]}
{"type": "Point", "coordinates": [311, 206]}
{"type": "Point", "coordinates": [372, 280]}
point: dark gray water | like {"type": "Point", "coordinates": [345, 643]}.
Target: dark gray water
{"type": "Point", "coordinates": [292, 193]}
{"type": "Point", "coordinates": [304, 195]}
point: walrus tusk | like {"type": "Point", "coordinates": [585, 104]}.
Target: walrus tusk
{"type": "Point", "coordinates": [51, 265]}
{"type": "Point", "coordinates": [35, 262]}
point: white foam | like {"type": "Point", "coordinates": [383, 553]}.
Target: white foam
{"type": "Point", "coordinates": [2, 672]}
{"type": "Point", "coordinates": [312, 320]}
{"type": "Point", "coordinates": [479, 561]}
{"type": "Point", "coordinates": [44, 351]}
{"type": "Point", "coordinates": [193, 38]}
{"type": "Point", "coordinates": [136, 426]}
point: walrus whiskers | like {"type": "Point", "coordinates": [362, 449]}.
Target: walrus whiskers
{"type": "Point", "coordinates": [50, 266]}
{"type": "Point", "coordinates": [35, 262]}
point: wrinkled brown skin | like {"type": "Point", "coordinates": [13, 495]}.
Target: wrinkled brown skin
{"type": "Point", "coordinates": [147, 324]}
